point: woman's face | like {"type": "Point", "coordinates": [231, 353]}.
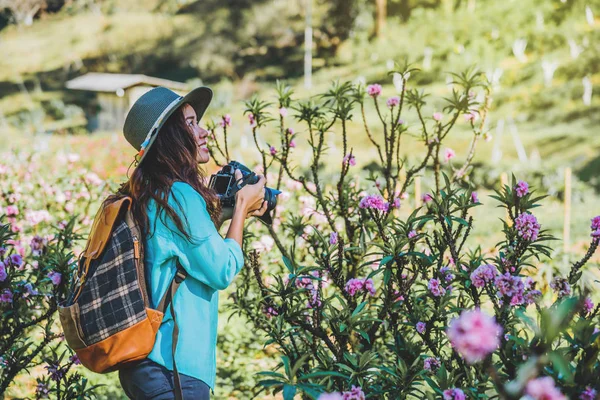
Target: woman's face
{"type": "Point", "coordinates": [200, 134]}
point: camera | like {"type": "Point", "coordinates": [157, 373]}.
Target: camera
{"type": "Point", "coordinates": [226, 186]}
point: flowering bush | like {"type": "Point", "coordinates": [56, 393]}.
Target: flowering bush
{"type": "Point", "coordinates": [371, 305]}
{"type": "Point", "coordinates": [31, 289]}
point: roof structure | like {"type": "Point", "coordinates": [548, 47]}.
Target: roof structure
{"type": "Point", "coordinates": [106, 82]}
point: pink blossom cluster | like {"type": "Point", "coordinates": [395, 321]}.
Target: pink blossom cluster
{"type": "Point", "coordinates": [333, 238]}
{"type": "Point", "coordinates": [431, 364]}
{"type": "Point", "coordinates": [511, 286]}
{"type": "Point", "coordinates": [527, 227]}
{"type": "Point", "coordinates": [474, 335]}
{"type": "Point", "coordinates": [485, 273]}
{"type": "Point", "coordinates": [270, 312]}
{"type": "Point", "coordinates": [561, 286]}
{"type": "Point", "coordinates": [588, 305]}
{"type": "Point", "coordinates": [6, 296]}
{"type": "Point", "coordinates": [522, 188]}
{"type": "Point", "coordinates": [374, 90]}
{"type": "Point", "coordinates": [435, 287]}
{"type": "Point", "coordinates": [588, 394]}
{"type": "Point", "coordinates": [38, 244]}
{"type": "Point", "coordinates": [437, 116]}
{"type": "Point", "coordinates": [454, 394]}
{"type": "Point", "coordinates": [449, 154]}
{"type": "Point", "coordinates": [350, 160]}
{"type": "Point", "coordinates": [474, 197]}
{"type": "Point", "coordinates": [3, 274]}
{"type": "Point", "coordinates": [543, 389]}
{"type": "Point", "coordinates": [356, 285]}
{"type": "Point", "coordinates": [225, 120]}
{"type": "Point", "coordinates": [283, 112]}
{"type": "Point", "coordinates": [446, 273]}
{"type": "Point", "coordinates": [421, 326]}
{"type": "Point", "coordinates": [355, 393]}
{"type": "Point", "coordinates": [412, 234]}
{"type": "Point", "coordinates": [596, 226]}
{"type": "Point", "coordinates": [374, 201]}
{"type": "Point", "coordinates": [393, 101]}
{"type": "Point", "coordinates": [55, 277]}
{"type": "Point", "coordinates": [252, 120]}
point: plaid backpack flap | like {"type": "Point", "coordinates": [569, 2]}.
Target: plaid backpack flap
{"type": "Point", "coordinates": [107, 319]}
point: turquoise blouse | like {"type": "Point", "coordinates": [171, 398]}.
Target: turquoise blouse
{"type": "Point", "coordinates": [211, 262]}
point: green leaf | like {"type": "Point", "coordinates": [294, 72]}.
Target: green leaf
{"type": "Point", "coordinates": [359, 308]}
{"type": "Point", "coordinates": [322, 374]}
{"type": "Point", "coordinates": [289, 392]}
{"type": "Point", "coordinates": [561, 365]}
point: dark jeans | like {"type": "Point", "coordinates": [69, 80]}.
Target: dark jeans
{"type": "Point", "coordinates": [149, 380]}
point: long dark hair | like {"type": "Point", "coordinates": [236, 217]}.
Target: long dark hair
{"type": "Point", "coordinates": [171, 158]}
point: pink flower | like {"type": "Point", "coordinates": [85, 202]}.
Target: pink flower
{"type": "Point", "coordinates": [588, 306]}
{"type": "Point", "coordinates": [510, 286]}
{"type": "Point", "coordinates": [454, 394]}
{"type": "Point", "coordinates": [226, 120]}
{"type": "Point", "coordinates": [437, 116]}
{"type": "Point", "coordinates": [474, 197]}
{"type": "Point", "coordinates": [333, 238]}
{"type": "Point", "coordinates": [421, 326]}
{"type": "Point", "coordinates": [412, 234]}
{"type": "Point", "coordinates": [355, 393]}
{"type": "Point", "coordinates": [400, 121]}
{"type": "Point", "coordinates": [290, 131]}
{"type": "Point", "coordinates": [474, 335]}
{"type": "Point", "coordinates": [16, 260]}
{"type": "Point", "coordinates": [349, 159]}
{"type": "Point", "coordinates": [331, 396]}
{"type": "Point", "coordinates": [292, 144]}
{"type": "Point", "coordinates": [561, 286]}
{"type": "Point", "coordinates": [75, 359]}
{"type": "Point", "coordinates": [270, 312]}
{"type": "Point", "coordinates": [30, 289]}
{"type": "Point", "coordinates": [6, 296]}
{"type": "Point", "coordinates": [3, 274]}
{"type": "Point", "coordinates": [532, 297]}
{"type": "Point", "coordinates": [426, 198]}
{"type": "Point", "coordinates": [396, 203]}
{"type": "Point", "coordinates": [527, 227]}
{"type": "Point", "coordinates": [283, 112]}
{"type": "Point", "coordinates": [471, 116]}
{"type": "Point", "coordinates": [355, 285]}
{"type": "Point", "coordinates": [483, 274]}
{"type": "Point", "coordinates": [436, 288]}
{"type": "Point", "coordinates": [431, 364]}
{"type": "Point", "coordinates": [596, 226]}
{"type": "Point", "coordinates": [55, 277]}
{"type": "Point", "coordinates": [588, 394]}
{"type": "Point", "coordinates": [449, 154]}
{"type": "Point", "coordinates": [374, 90]}
{"type": "Point", "coordinates": [251, 120]}
{"type": "Point", "coordinates": [543, 389]}
{"type": "Point", "coordinates": [12, 210]}
{"type": "Point", "coordinates": [375, 202]}
{"type": "Point", "coordinates": [393, 101]}
{"type": "Point", "coordinates": [522, 188]}
{"type": "Point", "coordinates": [272, 150]}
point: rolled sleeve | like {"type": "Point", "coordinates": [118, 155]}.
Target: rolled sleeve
{"type": "Point", "coordinates": [206, 257]}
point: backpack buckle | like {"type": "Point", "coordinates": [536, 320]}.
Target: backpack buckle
{"type": "Point", "coordinates": [180, 276]}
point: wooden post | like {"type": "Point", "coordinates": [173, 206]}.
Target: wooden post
{"type": "Point", "coordinates": [380, 17]}
{"type": "Point", "coordinates": [567, 222]}
{"type": "Point", "coordinates": [417, 192]}
{"type": "Point", "coordinates": [308, 45]}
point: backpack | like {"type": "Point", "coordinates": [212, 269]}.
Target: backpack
{"type": "Point", "coordinates": [107, 318]}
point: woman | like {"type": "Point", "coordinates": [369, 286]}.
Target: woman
{"type": "Point", "coordinates": [179, 216]}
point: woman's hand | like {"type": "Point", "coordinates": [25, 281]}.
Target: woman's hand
{"type": "Point", "coordinates": [250, 200]}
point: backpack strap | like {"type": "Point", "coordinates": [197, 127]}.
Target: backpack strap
{"type": "Point", "coordinates": [167, 301]}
